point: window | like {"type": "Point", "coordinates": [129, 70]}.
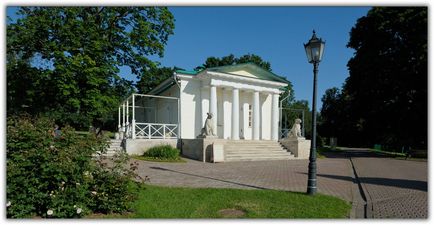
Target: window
{"type": "Point", "coordinates": [250, 115]}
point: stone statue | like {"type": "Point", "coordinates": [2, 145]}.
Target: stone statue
{"type": "Point", "coordinates": [296, 129]}
{"type": "Point", "coordinates": [208, 128]}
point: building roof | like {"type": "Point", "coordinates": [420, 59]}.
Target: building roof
{"type": "Point", "coordinates": [244, 69]}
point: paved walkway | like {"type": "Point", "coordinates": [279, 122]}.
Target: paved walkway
{"type": "Point", "coordinates": [288, 175]}
{"type": "Point", "coordinates": [388, 188]}
{"type": "Point", "coordinates": [393, 188]}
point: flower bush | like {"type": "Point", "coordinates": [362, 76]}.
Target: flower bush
{"type": "Point", "coordinates": [62, 177]}
{"type": "Point", "coordinates": [162, 152]}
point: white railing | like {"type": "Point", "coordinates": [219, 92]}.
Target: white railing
{"type": "Point", "coordinates": [156, 131]}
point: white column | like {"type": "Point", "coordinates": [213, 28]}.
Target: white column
{"type": "Point", "coordinates": [123, 117]}
{"type": "Point", "coordinates": [213, 106]}
{"type": "Point", "coordinates": [127, 122]}
{"type": "Point", "coordinates": [119, 118]}
{"type": "Point", "coordinates": [235, 134]}
{"type": "Point", "coordinates": [255, 115]}
{"type": "Point", "coordinates": [128, 114]}
{"type": "Point", "coordinates": [227, 113]}
{"type": "Point", "coordinates": [133, 119]}
{"type": "Point", "coordinates": [275, 117]}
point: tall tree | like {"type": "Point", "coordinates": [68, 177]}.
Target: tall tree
{"type": "Point", "coordinates": [65, 61]}
{"type": "Point", "coordinates": [386, 91]}
{"type": "Point", "coordinates": [152, 78]}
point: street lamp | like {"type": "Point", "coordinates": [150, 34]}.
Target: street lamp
{"type": "Point", "coordinates": [314, 51]}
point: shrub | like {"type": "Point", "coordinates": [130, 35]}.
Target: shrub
{"type": "Point", "coordinates": [59, 177]}
{"type": "Point", "coordinates": [162, 152]}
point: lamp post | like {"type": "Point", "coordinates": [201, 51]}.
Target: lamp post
{"type": "Point", "coordinates": [314, 51]}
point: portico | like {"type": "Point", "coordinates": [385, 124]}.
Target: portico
{"type": "Point", "coordinates": [242, 113]}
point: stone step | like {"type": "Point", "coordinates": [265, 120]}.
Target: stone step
{"type": "Point", "coordinates": [235, 148]}
{"type": "Point", "coordinates": [257, 156]}
{"type": "Point", "coordinates": [256, 153]}
{"type": "Point", "coordinates": [255, 150]}
{"type": "Point", "coordinates": [252, 143]}
{"type": "Point", "coordinates": [269, 148]}
{"type": "Point", "coordinates": [233, 159]}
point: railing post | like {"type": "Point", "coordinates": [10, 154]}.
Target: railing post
{"type": "Point", "coordinates": [149, 133]}
{"type": "Point", "coordinates": [164, 131]}
{"type": "Point", "coordinates": [133, 121]}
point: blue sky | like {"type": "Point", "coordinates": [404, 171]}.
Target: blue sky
{"type": "Point", "coordinates": [276, 34]}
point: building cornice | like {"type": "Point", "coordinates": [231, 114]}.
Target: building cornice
{"type": "Point", "coordinates": [248, 79]}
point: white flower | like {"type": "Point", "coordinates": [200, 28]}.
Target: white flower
{"type": "Point", "coordinates": [63, 182]}
{"type": "Point", "coordinates": [78, 184]}
{"type": "Point", "coordinates": [78, 210]}
{"type": "Point", "coordinates": [75, 206]}
{"type": "Point", "coordinates": [50, 212]}
{"type": "Point", "coordinates": [94, 192]}
{"type": "Point", "coordinates": [51, 146]}
{"type": "Point", "coordinates": [8, 204]}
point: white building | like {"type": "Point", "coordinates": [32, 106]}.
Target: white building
{"type": "Point", "coordinates": [243, 99]}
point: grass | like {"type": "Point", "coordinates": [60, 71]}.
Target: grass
{"type": "Point", "coordinates": [321, 150]}
{"type": "Point", "coordinates": [382, 152]}
{"type": "Point", "coordinates": [170, 202]}
{"type": "Point", "coordinates": [153, 159]}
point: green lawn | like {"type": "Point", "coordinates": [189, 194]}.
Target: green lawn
{"type": "Point", "coordinates": [167, 202]}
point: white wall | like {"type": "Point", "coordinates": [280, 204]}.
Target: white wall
{"type": "Point", "coordinates": [190, 108]}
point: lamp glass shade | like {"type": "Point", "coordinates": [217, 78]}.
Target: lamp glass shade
{"type": "Point", "coordinates": [314, 49]}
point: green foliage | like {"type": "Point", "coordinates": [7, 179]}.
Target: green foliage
{"type": "Point", "coordinates": [384, 100]}
{"type": "Point", "coordinates": [65, 61]}
{"type": "Point", "coordinates": [162, 152]}
{"type": "Point", "coordinates": [58, 177]}
{"type": "Point", "coordinates": [231, 60]}
{"type": "Point", "coordinates": [152, 78]}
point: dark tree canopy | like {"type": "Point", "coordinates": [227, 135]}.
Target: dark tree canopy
{"type": "Point", "coordinates": [385, 96]}
{"type": "Point", "coordinates": [152, 78]}
{"type": "Point", "coordinates": [65, 61]}
{"type": "Point", "coordinates": [231, 60]}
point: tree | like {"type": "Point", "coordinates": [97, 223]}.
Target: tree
{"type": "Point", "coordinates": [330, 112]}
{"type": "Point", "coordinates": [152, 78]}
{"type": "Point", "coordinates": [231, 60]}
{"type": "Point", "coordinates": [386, 93]}
{"type": "Point", "coordinates": [65, 61]}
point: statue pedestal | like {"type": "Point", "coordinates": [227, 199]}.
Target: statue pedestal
{"type": "Point", "coordinates": [298, 146]}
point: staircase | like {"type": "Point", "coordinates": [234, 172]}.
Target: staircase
{"type": "Point", "coordinates": [258, 150]}
{"type": "Point", "coordinates": [115, 146]}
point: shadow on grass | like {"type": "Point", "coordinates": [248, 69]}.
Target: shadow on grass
{"type": "Point", "coordinates": [205, 177]}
